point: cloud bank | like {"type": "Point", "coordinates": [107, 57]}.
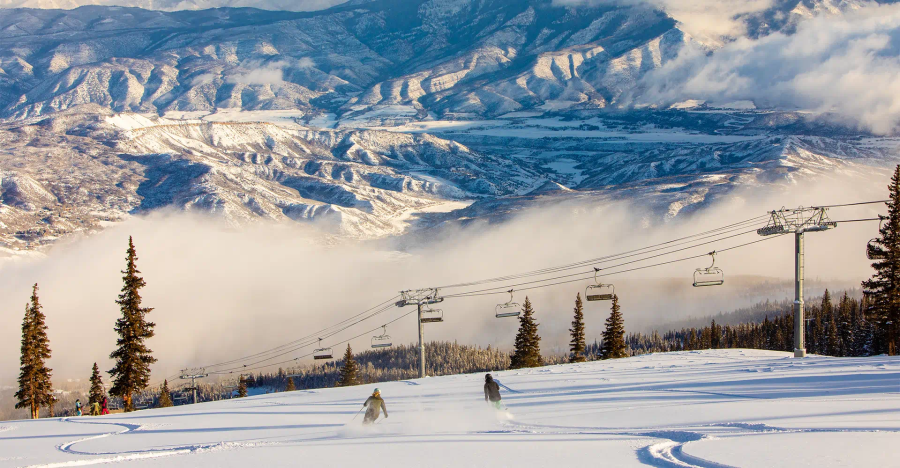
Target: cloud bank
{"type": "Point", "coordinates": [848, 65]}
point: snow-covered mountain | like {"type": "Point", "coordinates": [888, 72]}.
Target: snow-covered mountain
{"type": "Point", "coordinates": [375, 117]}
{"type": "Point", "coordinates": [174, 5]}
{"type": "Point", "coordinates": [441, 56]}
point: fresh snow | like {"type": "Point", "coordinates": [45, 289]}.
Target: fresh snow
{"type": "Point", "coordinates": [697, 408]}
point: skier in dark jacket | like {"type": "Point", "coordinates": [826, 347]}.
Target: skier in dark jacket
{"type": "Point", "coordinates": [491, 391]}
{"type": "Point", "coordinates": [374, 405]}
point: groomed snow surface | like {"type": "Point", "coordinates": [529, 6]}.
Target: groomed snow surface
{"type": "Point", "coordinates": [701, 408]}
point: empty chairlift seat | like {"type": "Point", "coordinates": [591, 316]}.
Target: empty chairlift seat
{"type": "Point", "coordinates": [430, 315]}
{"type": "Point", "coordinates": [322, 352]}
{"type": "Point", "coordinates": [508, 309]}
{"type": "Point", "coordinates": [599, 291]}
{"type": "Point", "coordinates": [711, 276]}
{"type": "Point", "coordinates": [383, 340]}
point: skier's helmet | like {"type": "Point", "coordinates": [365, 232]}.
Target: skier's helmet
{"type": "Point", "coordinates": [376, 392]}
{"type": "Point", "coordinates": [488, 377]}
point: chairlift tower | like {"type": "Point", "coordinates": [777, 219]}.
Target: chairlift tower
{"type": "Point", "coordinates": [193, 374]}
{"type": "Point", "coordinates": [420, 297]}
{"type": "Point", "coordinates": [798, 221]}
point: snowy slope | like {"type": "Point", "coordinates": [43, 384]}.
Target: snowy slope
{"type": "Point", "coordinates": [701, 408]}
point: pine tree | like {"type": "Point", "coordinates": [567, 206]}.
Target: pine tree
{"type": "Point", "coordinates": [576, 346]}
{"type": "Point", "coordinates": [350, 371]}
{"type": "Point", "coordinates": [528, 342]}
{"type": "Point", "coordinates": [242, 387]}
{"type": "Point", "coordinates": [883, 289]}
{"type": "Point", "coordinates": [290, 387]}
{"type": "Point", "coordinates": [165, 397]}
{"type": "Point", "coordinates": [96, 394]}
{"type": "Point", "coordinates": [133, 358]}
{"type": "Point", "coordinates": [35, 387]}
{"type": "Point", "coordinates": [614, 335]}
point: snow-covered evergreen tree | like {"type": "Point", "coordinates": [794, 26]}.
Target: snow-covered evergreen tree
{"type": "Point", "coordinates": [350, 370]}
{"type": "Point", "coordinates": [132, 356]}
{"type": "Point", "coordinates": [576, 346]}
{"type": "Point", "coordinates": [883, 289]}
{"type": "Point", "coordinates": [614, 335]}
{"type": "Point", "coordinates": [242, 387]}
{"type": "Point", "coordinates": [165, 396]}
{"type": "Point", "coordinates": [97, 391]}
{"type": "Point", "coordinates": [528, 343]}
{"type": "Point", "coordinates": [35, 386]}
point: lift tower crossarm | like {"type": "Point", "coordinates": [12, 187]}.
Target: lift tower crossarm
{"type": "Point", "coordinates": [798, 221]}
{"type": "Point", "coordinates": [420, 297]}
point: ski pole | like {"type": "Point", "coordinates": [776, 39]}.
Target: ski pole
{"type": "Point", "coordinates": [357, 413]}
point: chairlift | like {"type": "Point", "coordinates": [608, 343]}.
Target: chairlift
{"type": "Point", "coordinates": [383, 340]}
{"type": "Point", "coordinates": [322, 353]}
{"type": "Point", "coordinates": [599, 291]}
{"type": "Point", "coordinates": [711, 276]}
{"type": "Point", "coordinates": [508, 309]}
{"type": "Point", "coordinates": [430, 315]}
{"type": "Point", "coordinates": [872, 245]}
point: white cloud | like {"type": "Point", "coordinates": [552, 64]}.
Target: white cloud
{"type": "Point", "coordinates": [848, 65]}
{"type": "Point", "coordinates": [706, 20]}
{"type": "Point", "coordinates": [271, 73]}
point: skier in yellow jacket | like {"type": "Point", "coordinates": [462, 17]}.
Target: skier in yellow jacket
{"type": "Point", "coordinates": [374, 405]}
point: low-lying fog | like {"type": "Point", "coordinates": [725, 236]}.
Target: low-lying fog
{"type": "Point", "coordinates": [220, 293]}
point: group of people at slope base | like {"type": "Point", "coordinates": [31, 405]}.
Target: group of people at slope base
{"type": "Point", "coordinates": [374, 405]}
{"type": "Point", "coordinates": [97, 408]}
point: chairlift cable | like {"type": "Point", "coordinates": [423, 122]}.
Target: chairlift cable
{"type": "Point", "coordinates": [710, 233]}
{"type": "Point", "coordinates": [616, 272]}
{"type": "Point", "coordinates": [302, 339]}
{"type": "Point", "coordinates": [298, 347]}
{"type": "Point", "coordinates": [591, 272]}
{"type": "Point", "coordinates": [853, 204]}
{"type": "Point", "coordinates": [330, 344]}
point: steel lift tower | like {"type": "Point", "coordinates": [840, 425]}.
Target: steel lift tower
{"type": "Point", "coordinates": [193, 374]}
{"type": "Point", "coordinates": [798, 221]}
{"type": "Point", "coordinates": [420, 297]}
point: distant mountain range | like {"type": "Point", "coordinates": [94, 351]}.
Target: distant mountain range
{"type": "Point", "coordinates": [374, 117]}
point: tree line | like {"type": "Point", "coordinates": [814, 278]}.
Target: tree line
{"type": "Point", "coordinates": [833, 329]}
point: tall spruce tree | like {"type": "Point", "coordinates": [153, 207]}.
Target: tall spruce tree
{"type": "Point", "coordinates": [290, 387]}
{"type": "Point", "coordinates": [165, 396]}
{"type": "Point", "coordinates": [350, 371]}
{"type": "Point", "coordinates": [614, 335]}
{"type": "Point", "coordinates": [96, 394]}
{"type": "Point", "coordinates": [132, 356]}
{"type": "Point", "coordinates": [528, 342]}
{"type": "Point", "coordinates": [883, 289]}
{"type": "Point", "coordinates": [35, 387]}
{"type": "Point", "coordinates": [242, 388]}
{"type": "Point", "coordinates": [577, 346]}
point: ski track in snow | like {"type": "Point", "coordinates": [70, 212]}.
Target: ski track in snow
{"type": "Point", "coordinates": [113, 457]}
